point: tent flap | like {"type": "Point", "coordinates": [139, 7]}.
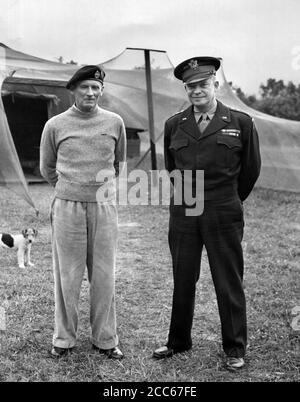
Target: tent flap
{"type": "Point", "coordinates": [11, 173]}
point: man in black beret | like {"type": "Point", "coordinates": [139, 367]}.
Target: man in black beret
{"type": "Point", "coordinates": [94, 73]}
{"type": "Point", "coordinates": [223, 143]}
{"type": "Point", "coordinates": [75, 147]}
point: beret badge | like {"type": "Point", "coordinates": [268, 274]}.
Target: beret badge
{"type": "Point", "coordinates": [90, 72]}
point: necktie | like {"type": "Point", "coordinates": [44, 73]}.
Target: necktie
{"type": "Point", "coordinates": [203, 122]}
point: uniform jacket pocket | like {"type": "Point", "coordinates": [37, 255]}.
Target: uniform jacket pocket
{"type": "Point", "coordinates": [179, 143]}
{"type": "Point", "coordinates": [229, 142]}
{"type": "Point", "coordinates": [228, 151]}
{"type": "Point", "coordinates": [180, 150]}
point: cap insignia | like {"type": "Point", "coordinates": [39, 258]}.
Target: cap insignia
{"type": "Point", "coordinates": [97, 74]}
{"type": "Point", "coordinates": [194, 64]}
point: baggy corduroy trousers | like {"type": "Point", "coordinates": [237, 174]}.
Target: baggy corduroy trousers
{"type": "Point", "coordinates": [84, 234]}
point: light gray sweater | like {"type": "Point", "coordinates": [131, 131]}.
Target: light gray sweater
{"type": "Point", "coordinates": [75, 146]}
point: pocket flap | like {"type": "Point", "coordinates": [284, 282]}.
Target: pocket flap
{"type": "Point", "coordinates": [230, 142]}
{"type": "Point", "coordinates": [179, 143]}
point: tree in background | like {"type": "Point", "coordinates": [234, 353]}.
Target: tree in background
{"type": "Point", "coordinates": [248, 100]}
{"type": "Point", "coordinates": [61, 60]}
{"type": "Point", "coordinates": [275, 98]}
{"type": "Point", "coordinates": [279, 99]}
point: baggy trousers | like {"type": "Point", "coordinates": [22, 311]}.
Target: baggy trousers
{"type": "Point", "coordinates": [220, 230]}
{"type": "Point", "coordinates": [84, 234]}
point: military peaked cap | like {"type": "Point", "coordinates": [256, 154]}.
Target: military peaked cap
{"type": "Point", "coordinates": [197, 69]}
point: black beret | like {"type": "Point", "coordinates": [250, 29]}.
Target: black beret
{"type": "Point", "coordinates": [87, 73]}
{"type": "Point", "coordinates": [197, 69]}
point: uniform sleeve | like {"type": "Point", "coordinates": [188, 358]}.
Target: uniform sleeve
{"type": "Point", "coordinates": [250, 163]}
{"type": "Point", "coordinates": [48, 155]}
{"type": "Point", "coordinates": [120, 150]}
{"type": "Point", "coordinates": [169, 161]}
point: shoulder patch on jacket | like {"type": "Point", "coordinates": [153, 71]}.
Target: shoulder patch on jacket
{"type": "Point", "coordinates": [7, 239]}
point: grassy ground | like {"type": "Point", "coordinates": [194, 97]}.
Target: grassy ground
{"type": "Point", "coordinates": [144, 291]}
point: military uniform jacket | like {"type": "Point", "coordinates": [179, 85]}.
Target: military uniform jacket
{"type": "Point", "coordinates": [227, 150]}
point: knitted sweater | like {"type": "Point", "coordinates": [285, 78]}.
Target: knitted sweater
{"type": "Point", "coordinates": [75, 146]}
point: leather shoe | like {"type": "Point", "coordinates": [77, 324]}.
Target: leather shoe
{"type": "Point", "coordinates": [60, 352]}
{"type": "Point", "coordinates": [234, 363]}
{"type": "Point", "coordinates": [113, 353]}
{"type": "Point", "coordinates": [163, 352]}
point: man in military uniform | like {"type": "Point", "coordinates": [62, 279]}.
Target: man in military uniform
{"type": "Point", "coordinates": [223, 143]}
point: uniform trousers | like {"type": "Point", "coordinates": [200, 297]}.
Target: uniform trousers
{"type": "Point", "coordinates": [84, 234]}
{"type": "Point", "coordinates": [220, 230]}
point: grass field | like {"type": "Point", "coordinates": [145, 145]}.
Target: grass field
{"type": "Point", "coordinates": [143, 296]}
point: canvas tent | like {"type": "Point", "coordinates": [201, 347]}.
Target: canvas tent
{"type": "Point", "coordinates": [11, 174]}
{"type": "Point", "coordinates": [279, 138]}
{"type": "Point", "coordinates": [279, 144]}
{"type": "Point", "coordinates": [39, 85]}
{"type": "Point", "coordinates": [35, 91]}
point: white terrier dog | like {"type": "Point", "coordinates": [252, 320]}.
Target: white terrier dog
{"type": "Point", "coordinates": [22, 242]}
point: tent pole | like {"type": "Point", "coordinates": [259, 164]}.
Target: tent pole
{"type": "Point", "coordinates": [150, 109]}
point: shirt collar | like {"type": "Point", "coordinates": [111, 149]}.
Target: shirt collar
{"type": "Point", "coordinates": [210, 113]}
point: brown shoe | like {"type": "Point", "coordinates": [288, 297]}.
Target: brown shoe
{"type": "Point", "coordinates": [113, 353]}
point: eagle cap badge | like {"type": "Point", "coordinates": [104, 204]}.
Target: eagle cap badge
{"type": "Point", "coordinates": [194, 64]}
